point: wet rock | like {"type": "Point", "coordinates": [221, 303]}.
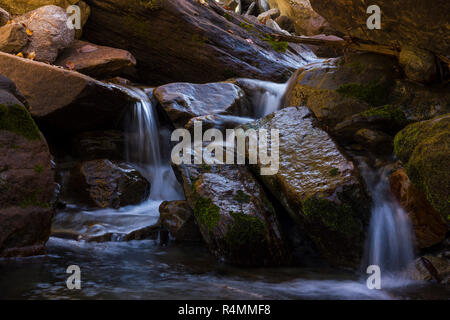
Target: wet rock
{"type": "Point", "coordinates": [423, 148]}
{"type": "Point", "coordinates": [429, 228]}
{"type": "Point", "coordinates": [99, 145]}
{"type": "Point", "coordinates": [306, 21]}
{"type": "Point", "coordinates": [26, 183]}
{"type": "Point", "coordinates": [421, 269]}
{"type": "Point", "coordinates": [13, 38]}
{"type": "Point", "coordinates": [49, 33]}
{"type": "Point", "coordinates": [319, 187]}
{"type": "Point", "coordinates": [252, 9]}
{"type": "Point", "coordinates": [172, 40]}
{"type": "Point", "coordinates": [97, 61]}
{"type": "Point", "coordinates": [419, 65]}
{"type": "Point", "coordinates": [183, 101]}
{"type": "Point", "coordinates": [105, 184]}
{"type": "Point", "coordinates": [56, 95]}
{"type": "Point", "coordinates": [404, 22]}
{"type": "Point", "coordinates": [178, 218]}
{"type": "Point", "coordinates": [20, 7]}
{"type": "Point", "coordinates": [217, 121]}
{"type": "Point", "coordinates": [420, 102]}
{"type": "Point", "coordinates": [270, 14]}
{"type": "Point", "coordinates": [4, 17]}
{"type": "Point", "coordinates": [150, 232]}
{"type": "Point", "coordinates": [374, 140]}
{"type": "Point", "coordinates": [234, 216]}
{"type": "Point", "coordinates": [285, 23]}
{"type": "Point", "coordinates": [336, 90]}
{"type": "Point", "coordinates": [273, 25]}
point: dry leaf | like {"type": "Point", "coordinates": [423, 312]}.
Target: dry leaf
{"type": "Point", "coordinates": [32, 55]}
{"type": "Point", "coordinates": [230, 31]}
{"type": "Point", "coordinates": [70, 65]}
{"type": "Point", "coordinates": [20, 54]}
{"type": "Point", "coordinates": [29, 32]}
{"type": "Point", "coordinates": [249, 41]}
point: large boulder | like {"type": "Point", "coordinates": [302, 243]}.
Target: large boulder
{"type": "Point", "coordinates": [306, 21]}
{"type": "Point", "coordinates": [177, 218]}
{"type": "Point", "coordinates": [91, 145]}
{"type": "Point", "coordinates": [26, 182]}
{"type": "Point", "coordinates": [97, 61]}
{"type": "Point", "coordinates": [49, 33]}
{"type": "Point", "coordinates": [428, 225]}
{"type": "Point", "coordinates": [424, 149]}
{"type": "Point", "coordinates": [234, 215]}
{"type": "Point", "coordinates": [105, 184]}
{"type": "Point", "coordinates": [183, 101]}
{"type": "Point", "coordinates": [56, 95]}
{"type": "Point", "coordinates": [20, 7]}
{"type": "Point", "coordinates": [179, 40]}
{"type": "Point", "coordinates": [338, 89]}
{"type": "Point", "coordinates": [413, 23]}
{"type": "Point", "coordinates": [316, 183]}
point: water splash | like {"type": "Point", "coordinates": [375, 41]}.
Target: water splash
{"type": "Point", "coordinates": [390, 244]}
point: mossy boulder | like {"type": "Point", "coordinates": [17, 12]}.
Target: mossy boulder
{"type": "Point", "coordinates": [177, 218]}
{"type": "Point", "coordinates": [234, 215]}
{"type": "Point", "coordinates": [318, 185]}
{"type": "Point", "coordinates": [425, 150]}
{"type": "Point", "coordinates": [336, 89]}
{"type": "Point", "coordinates": [26, 184]}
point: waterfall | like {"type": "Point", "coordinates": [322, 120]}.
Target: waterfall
{"type": "Point", "coordinates": [390, 243]}
{"type": "Point", "coordinates": [144, 148]}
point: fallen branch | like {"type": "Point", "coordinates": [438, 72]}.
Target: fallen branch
{"type": "Point", "coordinates": [338, 43]}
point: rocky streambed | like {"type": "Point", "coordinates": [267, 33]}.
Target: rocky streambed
{"type": "Point", "coordinates": [87, 175]}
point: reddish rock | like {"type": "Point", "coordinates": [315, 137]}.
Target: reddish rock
{"type": "Point", "coordinates": [178, 218]}
{"type": "Point", "coordinates": [96, 61]}
{"type": "Point", "coordinates": [427, 222]}
{"type": "Point", "coordinates": [26, 184]}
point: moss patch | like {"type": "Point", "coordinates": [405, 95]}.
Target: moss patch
{"type": "Point", "coordinates": [334, 172]}
{"type": "Point", "coordinates": [246, 230]}
{"type": "Point", "coordinates": [242, 197]}
{"type": "Point", "coordinates": [38, 168]}
{"type": "Point", "coordinates": [278, 46]}
{"type": "Point", "coordinates": [373, 92]}
{"type": "Point", "coordinates": [207, 213]}
{"type": "Point", "coordinates": [17, 119]}
{"type": "Point", "coordinates": [424, 147]}
{"type": "Point", "coordinates": [335, 217]}
{"type": "Point", "coordinates": [33, 201]}
{"type": "Point", "coordinates": [388, 111]}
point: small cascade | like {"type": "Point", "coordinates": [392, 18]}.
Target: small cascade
{"type": "Point", "coordinates": [144, 148]}
{"type": "Point", "coordinates": [268, 97]}
{"type": "Point", "coordinates": [390, 243]}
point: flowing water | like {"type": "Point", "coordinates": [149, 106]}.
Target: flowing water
{"type": "Point", "coordinates": [146, 270]}
{"type": "Point", "coordinates": [390, 243]}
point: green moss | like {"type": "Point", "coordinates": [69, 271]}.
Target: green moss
{"type": "Point", "coordinates": [334, 172]}
{"type": "Point", "coordinates": [242, 197]}
{"type": "Point", "coordinates": [388, 111]}
{"type": "Point", "coordinates": [207, 213]}
{"type": "Point", "coordinates": [247, 26]}
{"type": "Point", "coordinates": [373, 92]}
{"type": "Point", "coordinates": [227, 16]}
{"type": "Point", "coordinates": [246, 230]}
{"type": "Point", "coordinates": [17, 119]}
{"type": "Point", "coordinates": [150, 4]}
{"type": "Point", "coordinates": [335, 217]}
{"type": "Point", "coordinates": [278, 46]}
{"type": "Point", "coordinates": [424, 147]}
{"type": "Point", "coordinates": [38, 168]}
{"type": "Point", "coordinates": [33, 201]}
